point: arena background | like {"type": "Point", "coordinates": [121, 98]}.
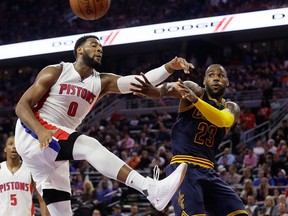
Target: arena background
{"type": "Point", "coordinates": [35, 20]}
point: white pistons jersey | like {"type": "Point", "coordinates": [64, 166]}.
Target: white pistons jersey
{"type": "Point", "coordinates": [15, 192]}
{"type": "Point", "coordinates": [70, 99]}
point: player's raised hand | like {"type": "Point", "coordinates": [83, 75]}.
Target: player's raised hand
{"type": "Point", "coordinates": [179, 63]}
{"type": "Point", "coordinates": [184, 91]}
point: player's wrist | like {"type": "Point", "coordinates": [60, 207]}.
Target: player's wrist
{"type": "Point", "coordinates": [191, 97]}
{"type": "Point", "coordinates": [168, 67]}
{"type": "Point", "coordinates": [195, 100]}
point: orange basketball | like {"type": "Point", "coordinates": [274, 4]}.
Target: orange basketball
{"type": "Point", "coordinates": [90, 9]}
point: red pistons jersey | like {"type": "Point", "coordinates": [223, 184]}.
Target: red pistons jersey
{"type": "Point", "coordinates": [15, 191]}
{"type": "Point", "coordinates": [70, 99]}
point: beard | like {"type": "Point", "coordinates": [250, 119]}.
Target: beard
{"type": "Point", "coordinates": [215, 94]}
{"type": "Point", "coordinates": [90, 62]}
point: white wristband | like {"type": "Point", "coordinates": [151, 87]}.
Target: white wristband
{"type": "Point", "coordinates": [157, 75]}
{"type": "Point", "coordinates": [154, 76]}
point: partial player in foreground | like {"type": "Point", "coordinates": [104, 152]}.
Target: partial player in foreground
{"type": "Point", "coordinates": [203, 120]}
{"type": "Point", "coordinates": [56, 104]}
{"type": "Point", "coordinates": [17, 186]}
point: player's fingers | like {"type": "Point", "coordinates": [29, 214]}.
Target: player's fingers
{"type": "Point", "coordinates": [185, 95]}
{"type": "Point", "coordinates": [185, 64]}
{"type": "Point", "coordinates": [178, 85]}
{"type": "Point", "coordinates": [178, 88]}
{"type": "Point", "coordinates": [178, 60]}
{"type": "Point", "coordinates": [180, 82]}
{"type": "Point", "coordinates": [191, 65]}
{"type": "Point", "coordinates": [140, 80]}
{"type": "Point", "coordinates": [44, 145]}
{"type": "Point", "coordinates": [134, 90]}
{"type": "Point", "coordinates": [175, 60]}
{"type": "Point", "coordinates": [175, 85]}
{"type": "Point", "coordinates": [145, 78]}
{"type": "Point", "coordinates": [139, 94]}
{"type": "Point", "coordinates": [136, 85]}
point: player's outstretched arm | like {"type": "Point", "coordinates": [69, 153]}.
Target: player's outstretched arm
{"type": "Point", "coordinates": [157, 75]}
{"type": "Point", "coordinates": [221, 118]}
{"type": "Point", "coordinates": [146, 90]}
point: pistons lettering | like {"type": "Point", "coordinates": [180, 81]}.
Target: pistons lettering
{"type": "Point", "coordinates": [22, 186]}
{"type": "Point", "coordinates": [78, 91]}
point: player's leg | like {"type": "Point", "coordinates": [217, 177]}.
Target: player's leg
{"type": "Point", "coordinates": [56, 190]}
{"type": "Point", "coordinates": [188, 200]}
{"type": "Point", "coordinates": [58, 202]}
{"type": "Point", "coordinates": [158, 193]}
{"type": "Point", "coordinates": [52, 184]}
{"type": "Point", "coordinates": [221, 199]}
{"type": "Point", "coordinates": [51, 177]}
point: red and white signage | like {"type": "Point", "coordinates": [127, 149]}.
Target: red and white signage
{"type": "Point", "coordinates": [184, 28]}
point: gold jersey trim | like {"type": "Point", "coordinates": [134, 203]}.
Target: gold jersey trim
{"type": "Point", "coordinates": [238, 212]}
{"type": "Point", "coordinates": [192, 160]}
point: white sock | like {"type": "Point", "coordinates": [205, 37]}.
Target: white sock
{"type": "Point", "coordinates": [60, 208]}
{"type": "Point", "coordinates": [136, 181]}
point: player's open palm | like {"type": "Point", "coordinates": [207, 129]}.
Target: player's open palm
{"type": "Point", "coordinates": [185, 91]}
{"type": "Point", "coordinates": [145, 89]}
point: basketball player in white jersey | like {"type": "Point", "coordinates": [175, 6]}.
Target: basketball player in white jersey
{"type": "Point", "coordinates": [16, 185]}
{"type": "Point", "coordinates": [54, 106]}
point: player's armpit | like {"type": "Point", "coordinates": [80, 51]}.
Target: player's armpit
{"type": "Point", "coordinates": [220, 118]}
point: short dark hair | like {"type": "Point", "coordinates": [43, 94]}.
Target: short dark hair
{"type": "Point", "coordinates": [81, 41]}
{"type": "Point", "coordinates": [217, 67]}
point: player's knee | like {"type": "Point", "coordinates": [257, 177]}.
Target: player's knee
{"type": "Point", "coordinates": [66, 151]}
{"type": "Point", "coordinates": [52, 196]}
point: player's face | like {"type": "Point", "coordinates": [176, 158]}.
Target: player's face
{"type": "Point", "coordinates": [10, 149]}
{"type": "Point", "coordinates": [92, 53]}
{"type": "Point", "coordinates": [216, 81]}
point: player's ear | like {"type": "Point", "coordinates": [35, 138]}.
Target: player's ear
{"type": "Point", "coordinates": [204, 81]}
{"type": "Point", "coordinates": [5, 149]}
{"type": "Point", "coordinates": [227, 82]}
{"type": "Point", "coordinates": [80, 50]}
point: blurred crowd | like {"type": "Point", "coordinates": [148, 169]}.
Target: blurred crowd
{"type": "Point", "coordinates": [37, 19]}
{"type": "Point", "coordinates": [256, 170]}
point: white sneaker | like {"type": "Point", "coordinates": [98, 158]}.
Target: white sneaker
{"type": "Point", "coordinates": [159, 193]}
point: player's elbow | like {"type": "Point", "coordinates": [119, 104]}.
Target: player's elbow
{"type": "Point", "coordinates": [226, 120]}
{"type": "Point", "coordinates": [18, 109]}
